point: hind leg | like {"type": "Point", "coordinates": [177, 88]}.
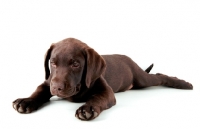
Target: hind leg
{"type": "Point", "coordinates": [146, 80]}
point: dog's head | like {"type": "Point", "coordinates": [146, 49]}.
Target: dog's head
{"type": "Point", "coordinates": [72, 63]}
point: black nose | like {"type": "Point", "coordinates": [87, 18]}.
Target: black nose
{"type": "Point", "coordinates": [57, 86]}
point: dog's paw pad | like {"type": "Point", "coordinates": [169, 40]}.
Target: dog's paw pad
{"type": "Point", "coordinates": [25, 105]}
{"type": "Point", "coordinates": [87, 112]}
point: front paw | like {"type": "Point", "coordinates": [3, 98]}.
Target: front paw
{"type": "Point", "coordinates": [25, 105]}
{"type": "Point", "coordinates": [87, 112]}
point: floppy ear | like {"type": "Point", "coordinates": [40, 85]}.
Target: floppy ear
{"type": "Point", "coordinates": [46, 62]}
{"type": "Point", "coordinates": [95, 66]}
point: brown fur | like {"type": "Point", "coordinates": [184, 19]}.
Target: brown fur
{"type": "Point", "coordinates": [79, 74]}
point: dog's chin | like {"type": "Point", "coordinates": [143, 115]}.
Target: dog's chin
{"type": "Point", "coordinates": [66, 95]}
{"type": "Point", "coordinates": [62, 95]}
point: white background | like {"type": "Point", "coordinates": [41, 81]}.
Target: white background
{"type": "Point", "coordinates": [163, 32]}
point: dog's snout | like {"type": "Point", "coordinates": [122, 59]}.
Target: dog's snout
{"type": "Point", "coordinates": [57, 86]}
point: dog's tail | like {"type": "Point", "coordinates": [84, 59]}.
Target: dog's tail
{"type": "Point", "coordinates": [149, 68]}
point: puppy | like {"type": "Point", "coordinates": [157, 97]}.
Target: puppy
{"type": "Point", "coordinates": [79, 74]}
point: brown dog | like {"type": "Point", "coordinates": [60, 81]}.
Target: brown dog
{"type": "Point", "coordinates": [80, 74]}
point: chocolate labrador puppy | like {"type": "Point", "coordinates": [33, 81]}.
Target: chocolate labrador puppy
{"type": "Point", "coordinates": [79, 74]}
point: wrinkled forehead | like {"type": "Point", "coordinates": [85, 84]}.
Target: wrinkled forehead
{"type": "Point", "coordinates": [67, 50]}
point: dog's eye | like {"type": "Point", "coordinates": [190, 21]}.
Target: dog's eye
{"type": "Point", "coordinates": [75, 64]}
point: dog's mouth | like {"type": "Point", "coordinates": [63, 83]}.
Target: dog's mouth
{"type": "Point", "coordinates": [67, 92]}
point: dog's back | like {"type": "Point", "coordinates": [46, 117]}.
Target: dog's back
{"type": "Point", "coordinates": [119, 72]}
